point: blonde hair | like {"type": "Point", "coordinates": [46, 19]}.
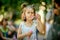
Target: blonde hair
{"type": "Point", "coordinates": [24, 10]}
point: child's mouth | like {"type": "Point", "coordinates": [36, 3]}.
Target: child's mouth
{"type": "Point", "coordinates": [32, 17]}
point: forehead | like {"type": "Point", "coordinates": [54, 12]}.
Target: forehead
{"type": "Point", "coordinates": [29, 9]}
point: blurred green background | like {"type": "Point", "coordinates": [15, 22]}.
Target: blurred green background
{"type": "Point", "coordinates": [14, 6]}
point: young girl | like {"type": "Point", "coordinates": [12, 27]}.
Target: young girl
{"type": "Point", "coordinates": [27, 28]}
{"type": "Point", "coordinates": [4, 29]}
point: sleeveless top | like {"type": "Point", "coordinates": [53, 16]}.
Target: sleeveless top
{"type": "Point", "coordinates": [4, 31]}
{"type": "Point", "coordinates": [26, 29]}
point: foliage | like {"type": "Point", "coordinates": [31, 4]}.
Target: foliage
{"type": "Point", "coordinates": [16, 5]}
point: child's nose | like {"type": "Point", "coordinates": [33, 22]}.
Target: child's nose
{"type": "Point", "coordinates": [30, 14]}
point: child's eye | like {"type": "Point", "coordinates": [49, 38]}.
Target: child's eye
{"type": "Point", "coordinates": [32, 12]}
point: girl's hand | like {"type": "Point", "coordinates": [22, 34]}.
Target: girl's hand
{"type": "Point", "coordinates": [38, 17]}
{"type": "Point", "coordinates": [9, 32]}
{"type": "Point", "coordinates": [29, 34]}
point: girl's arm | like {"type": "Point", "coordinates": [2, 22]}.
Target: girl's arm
{"type": "Point", "coordinates": [1, 35]}
{"type": "Point", "coordinates": [40, 26]}
{"type": "Point", "coordinates": [19, 35]}
{"type": "Point", "coordinates": [11, 28]}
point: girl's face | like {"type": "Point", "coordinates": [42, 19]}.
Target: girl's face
{"type": "Point", "coordinates": [4, 23]}
{"type": "Point", "coordinates": [42, 8]}
{"type": "Point", "coordinates": [29, 14]}
{"type": "Point", "coordinates": [56, 11]}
